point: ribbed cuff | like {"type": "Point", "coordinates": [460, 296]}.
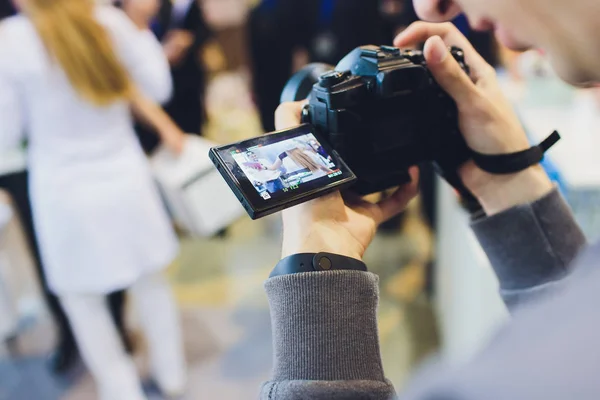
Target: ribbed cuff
{"type": "Point", "coordinates": [325, 326]}
{"type": "Point", "coordinates": [531, 244]}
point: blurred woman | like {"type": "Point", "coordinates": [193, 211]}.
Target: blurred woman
{"type": "Point", "coordinates": [69, 71]}
{"type": "Point", "coordinates": [309, 160]}
{"type": "Point", "coordinates": [65, 354]}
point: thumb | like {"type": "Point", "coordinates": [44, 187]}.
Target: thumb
{"type": "Point", "coordinates": [288, 115]}
{"type": "Point", "coordinates": [397, 202]}
{"type": "Point", "coordinates": [447, 72]}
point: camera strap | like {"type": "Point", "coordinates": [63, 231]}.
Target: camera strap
{"type": "Point", "coordinates": [514, 162]}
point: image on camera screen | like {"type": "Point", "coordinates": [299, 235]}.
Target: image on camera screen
{"type": "Point", "coordinates": [286, 165]}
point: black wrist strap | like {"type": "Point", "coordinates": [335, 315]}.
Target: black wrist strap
{"type": "Point", "coordinates": [311, 262]}
{"type": "Point", "coordinates": [514, 162]}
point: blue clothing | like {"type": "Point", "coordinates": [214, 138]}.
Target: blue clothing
{"type": "Point", "coordinates": [274, 186]}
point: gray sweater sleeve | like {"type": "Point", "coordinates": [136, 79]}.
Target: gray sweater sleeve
{"type": "Point", "coordinates": [325, 337]}
{"type": "Point", "coordinates": [325, 323]}
{"type": "Point", "coordinates": [530, 247]}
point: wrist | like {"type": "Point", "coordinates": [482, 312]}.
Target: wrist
{"type": "Point", "coordinates": [319, 242]}
{"type": "Point", "coordinates": [497, 193]}
{"type": "Point", "coordinates": [319, 262]}
{"type": "Point", "coordinates": [289, 249]}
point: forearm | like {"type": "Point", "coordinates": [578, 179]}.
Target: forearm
{"type": "Point", "coordinates": [325, 337]}
{"type": "Point", "coordinates": [531, 246]}
{"type": "Point", "coordinates": [150, 113]}
{"type": "Point", "coordinates": [276, 165]}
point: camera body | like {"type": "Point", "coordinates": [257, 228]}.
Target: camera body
{"type": "Point", "coordinates": [382, 111]}
{"type": "Point", "coordinates": [366, 122]}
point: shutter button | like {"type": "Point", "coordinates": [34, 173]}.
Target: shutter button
{"type": "Point", "coordinates": [325, 263]}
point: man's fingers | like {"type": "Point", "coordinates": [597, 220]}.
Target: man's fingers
{"type": "Point", "coordinates": [448, 73]}
{"type": "Point", "coordinates": [420, 31]}
{"type": "Point", "coordinates": [288, 115]}
{"type": "Point", "coordinates": [397, 202]}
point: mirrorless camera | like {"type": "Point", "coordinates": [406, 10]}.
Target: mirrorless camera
{"type": "Point", "coordinates": [378, 112]}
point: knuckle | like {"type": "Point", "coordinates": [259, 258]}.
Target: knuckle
{"type": "Point", "coordinates": [488, 72]}
{"type": "Point", "coordinates": [449, 27]}
{"type": "Point", "coordinates": [473, 102]}
{"type": "Point", "coordinates": [282, 109]}
{"type": "Point", "coordinates": [418, 25]}
{"type": "Point", "coordinates": [477, 104]}
{"type": "Point", "coordinates": [287, 114]}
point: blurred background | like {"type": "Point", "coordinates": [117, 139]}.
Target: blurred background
{"type": "Point", "coordinates": [229, 61]}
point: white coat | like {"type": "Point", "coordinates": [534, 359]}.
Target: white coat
{"type": "Point", "coordinates": [97, 212]}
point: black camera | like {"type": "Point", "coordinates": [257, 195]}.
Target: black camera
{"type": "Point", "coordinates": [378, 112]}
{"type": "Point", "coordinates": [382, 111]}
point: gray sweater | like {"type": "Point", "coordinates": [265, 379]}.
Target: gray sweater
{"type": "Point", "coordinates": [325, 323]}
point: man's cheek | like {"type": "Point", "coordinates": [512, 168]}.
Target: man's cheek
{"type": "Point", "coordinates": [510, 40]}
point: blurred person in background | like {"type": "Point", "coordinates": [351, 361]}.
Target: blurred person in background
{"type": "Point", "coordinates": [181, 28]}
{"type": "Point", "coordinates": [280, 31]}
{"type": "Point", "coordinates": [186, 33]}
{"type": "Point", "coordinates": [65, 354]}
{"type": "Point", "coordinates": [6, 9]}
{"type": "Point", "coordinates": [324, 322]}
{"type": "Point", "coordinates": [69, 71]}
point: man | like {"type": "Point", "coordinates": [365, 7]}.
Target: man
{"type": "Point", "coordinates": [324, 323]}
{"type": "Point", "coordinates": [182, 30]}
{"type": "Point", "coordinates": [326, 29]}
{"type": "Point", "coordinates": [186, 34]}
{"type": "Point", "coordinates": [259, 172]}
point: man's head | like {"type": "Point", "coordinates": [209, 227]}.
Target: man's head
{"type": "Point", "coordinates": [567, 29]}
{"type": "Point", "coordinates": [251, 155]}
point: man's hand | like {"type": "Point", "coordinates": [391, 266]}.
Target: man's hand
{"type": "Point", "coordinates": [487, 120]}
{"type": "Point", "coordinates": [329, 224]}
